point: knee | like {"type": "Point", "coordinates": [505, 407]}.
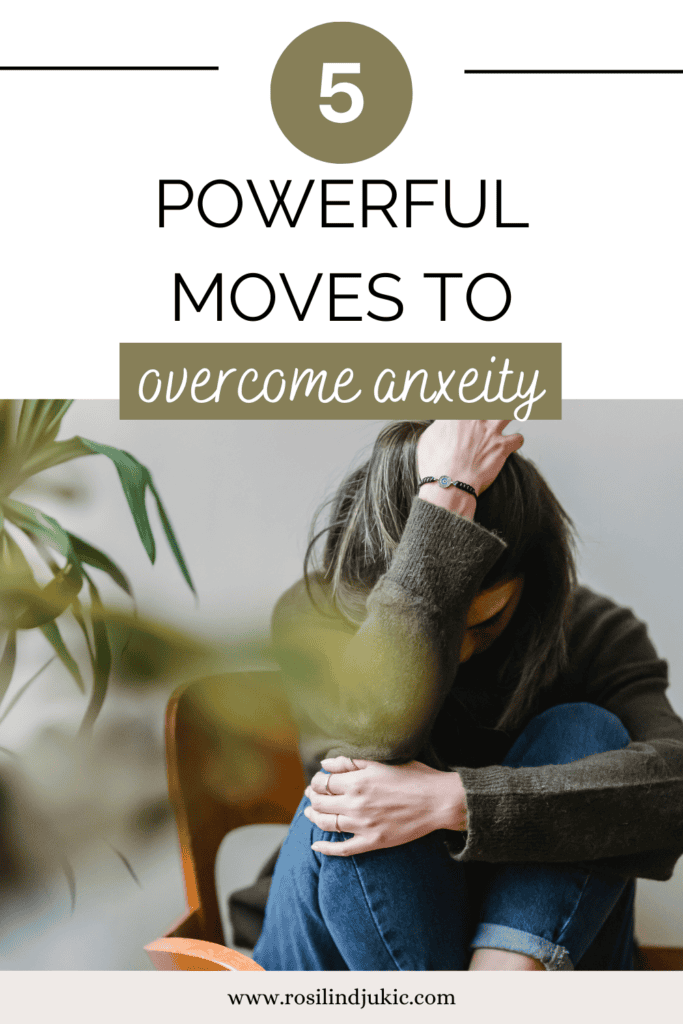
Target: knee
{"type": "Point", "coordinates": [589, 723]}
{"type": "Point", "coordinates": [568, 732]}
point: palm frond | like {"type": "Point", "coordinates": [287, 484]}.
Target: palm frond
{"type": "Point", "coordinates": [29, 446]}
{"type": "Point", "coordinates": [50, 631]}
{"type": "Point", "coordinates": [6, 416]}
{"type": "Point", "coordinates": [48, 604]}
{"type": "Point", "coordinates": [37, 524]}
{"type": "Point", "coordinates": [93, 556]}
{"type": "Point", "coordinates": [7, 662]}
{"type": "Point", "coordinates": [101, 661]}
{"type": "Point", "coordinates": [39, 422]}
{"type": "Point", "coordinates": [53, 453]}
{"type": "Point", "coordinates": [127, 864]}
{"type": "Point", "coordinates": [135, 479]}
{"type": "Point", "coordinates": [17, 697]}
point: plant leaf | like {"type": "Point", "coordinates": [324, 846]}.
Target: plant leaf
{"type": "Point", "coordinates": [47, 529]}
{"type": "Point", "coordinates": [127, 864]}
{"type": "Point", "coordinates": [70, 880]}
{"type": "Point", "coordinates": [77, 611]}
{"type": "Point", "coordinates": [135, 479]}
{"type": "Point", "coordinates": [101, 662]}
{"type": "Point", "coordinates": [171, 538]}
{"type": "Point", "coordinates": [29, 413]}
{"type": "Point", "coordinates": [50, 631]}
{"type": "Point", "coordinates": [48, 604]}
{"type": "Point", "coordinates": [23, 690]}
{"type": "Point", "coordinates": [51, 424]}
{"type": "Point", "coordinates": [7, 662]}
{"type": "Point", "coordinates": [51, 454]}
{"type": "Point", "coordinates": [14, 566]}
{"type": "Point", "coordinates": [92, 556]}
{"type": "Point", "coordinates": [19, 593]}
{"type": "Point", "coordinates": [39, 422]}
{"type": "Point", "coordinates": [6, 407]}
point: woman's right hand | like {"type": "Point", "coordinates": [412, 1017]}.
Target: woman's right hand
{"type": "Point", "coordinates": [473, 451]}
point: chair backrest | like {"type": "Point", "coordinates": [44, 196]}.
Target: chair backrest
{"type": "Point", "coordinates": [232, 760]}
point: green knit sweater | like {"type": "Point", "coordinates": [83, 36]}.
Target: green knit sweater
{"type": "Point", "coordinates": [388, 689]}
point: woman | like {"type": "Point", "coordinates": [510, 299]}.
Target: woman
{"type": "Point", "coordinates": [499, 759]}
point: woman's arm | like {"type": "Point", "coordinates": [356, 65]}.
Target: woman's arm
{"type": "Point", "coordinates": [375, 692]}
{"type": "Point", "coordinates": [623, 808]}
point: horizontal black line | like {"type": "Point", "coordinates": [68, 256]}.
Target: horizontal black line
{"type": "Point", "coordinates": [101, 67]}
{"type": "Point", "coordinates": [592, 71]}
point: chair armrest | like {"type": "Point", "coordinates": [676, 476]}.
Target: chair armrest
{"type": "Point", "coordinates": [175, 954]}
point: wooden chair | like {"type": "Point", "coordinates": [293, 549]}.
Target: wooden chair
{"type": "Point", "coordinates": [232, 760]}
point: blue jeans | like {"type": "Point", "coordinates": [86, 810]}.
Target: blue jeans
{"type": "Point", "coordinates": [413, 908]}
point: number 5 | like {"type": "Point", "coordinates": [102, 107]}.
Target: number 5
{"type": "Point", "coordinates": [327, 89]}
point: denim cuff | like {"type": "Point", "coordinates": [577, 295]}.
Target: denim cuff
{"type": "Point", "coordinates": [498, 936]}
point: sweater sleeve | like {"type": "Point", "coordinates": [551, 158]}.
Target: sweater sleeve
{"type": "Point", "coordinates": [623, 808]}
{"type": "Point", "coordinates": [374, 692]}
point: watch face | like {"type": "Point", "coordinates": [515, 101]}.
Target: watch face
{"type": "Point", "coordinates": [445, 481]}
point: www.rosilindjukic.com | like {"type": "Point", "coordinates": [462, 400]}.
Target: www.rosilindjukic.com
{"type": "Point", "coordinates": [359, 997]}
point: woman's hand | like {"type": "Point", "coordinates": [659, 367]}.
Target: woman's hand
{"type": "Point", "coordinates": [382, 805]}
{"type": "Point", "coordinates": [473, 451]}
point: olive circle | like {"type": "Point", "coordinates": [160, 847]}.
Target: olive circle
{"type": "Point", "coordinates": [310, 98]}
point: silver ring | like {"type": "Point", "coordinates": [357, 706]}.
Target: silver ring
{"type": "Point", "coordinates": [338, 829]}
{"type": "Point", "coordinates": [327, 786]}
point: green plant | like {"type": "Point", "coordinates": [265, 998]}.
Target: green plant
{"type": "Point", "coordinates": [29, 445]}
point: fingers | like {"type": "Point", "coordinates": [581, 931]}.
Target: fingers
{"type": "Point", "coordinates": [338, 767]}
{"type": "Point", "coordinates": [343, 849]}
{"type": "Point", "coordinates": [499, 426]}
{"type": "Point", "coordinates": [513, 442]}
{"type": "Point", "coordinates": [326, 822]}
{"type": "Point", "coordinates": [332, 804]}
{"type": "Point", "coordinates": [329, 785]}
{"type": "Point", "coordinates": [322, 783]}
{"type": "Point", "coordinates": [343, 764]}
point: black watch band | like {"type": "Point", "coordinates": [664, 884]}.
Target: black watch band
{"type": "Point", "coordinates": [445, 481]}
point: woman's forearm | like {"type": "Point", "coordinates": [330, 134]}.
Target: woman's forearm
{"type": "Point", "coordinates": [375, 692]}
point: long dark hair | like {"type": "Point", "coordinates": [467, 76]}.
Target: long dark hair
{"type": "Point", "coordinates": [368, 514]}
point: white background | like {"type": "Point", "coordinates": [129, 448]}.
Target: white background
{"type": "Point", "coordinates": [591, 163]}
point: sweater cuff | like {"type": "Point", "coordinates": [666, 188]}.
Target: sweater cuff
{"type": "Point", "coordinates": [502, 824]}
{"type": "Point", "coordinates": [442, 556]}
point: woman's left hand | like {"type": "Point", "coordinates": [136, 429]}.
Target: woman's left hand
{"type": "Point", "coordinates": [382, 805]}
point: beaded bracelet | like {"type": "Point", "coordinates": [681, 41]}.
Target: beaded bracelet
{"type": "Point", "coordinates": [445, 481]}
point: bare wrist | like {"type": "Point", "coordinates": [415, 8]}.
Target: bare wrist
{"type": "Point", "coordinates": [453, 803]}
